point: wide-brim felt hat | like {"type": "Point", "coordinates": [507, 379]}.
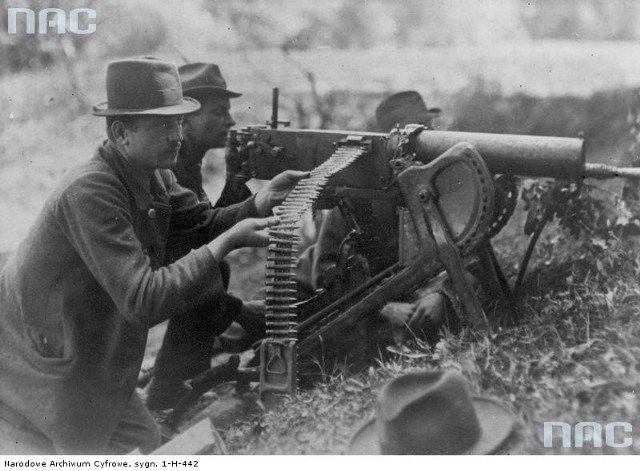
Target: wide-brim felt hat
{"type": "Point", "coordinates": [203, 79]}
{"type": "Point", "coordinates": [432, 413]}
{"type": "Point", "coordinates": [404, 108]}
{"type": "Point", "coordinates": [144, 86]}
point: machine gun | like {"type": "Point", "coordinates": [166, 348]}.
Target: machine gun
{"type": "Point", "coordinates": [448, 207]}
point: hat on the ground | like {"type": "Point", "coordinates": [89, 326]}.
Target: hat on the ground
{"type": "Point", "coordinates": [200, 78]}
{"type": "Point", "coordinates": [404, 108]}
{"type": "Point", "coordinates": [432, 413]}
{"type": "Point", "coordinates": [144, 86]}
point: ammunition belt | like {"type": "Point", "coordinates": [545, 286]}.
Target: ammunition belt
{"type": "Point", "coordinates": [284, 238]}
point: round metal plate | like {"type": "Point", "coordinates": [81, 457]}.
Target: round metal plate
{"type": "Point", "coordinates": [466, 199]}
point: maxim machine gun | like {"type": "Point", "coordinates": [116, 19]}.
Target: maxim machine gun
{"type": "Point", "coordinates": [448, 201]}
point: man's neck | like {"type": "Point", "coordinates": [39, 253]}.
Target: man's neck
{"type": "Point", "coordinates": [192, 152]}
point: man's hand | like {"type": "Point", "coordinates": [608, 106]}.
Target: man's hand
{"type": "Point", "coordinates": [246, 233]}
{"type": "Point", "coordinates": [398, 314]}
{"type": "Point", "coordinates": [428, 312]}
{"type": "Point", "coordinates": [277, 190]}
{"type": "Point", "coordinates": [409, 319]}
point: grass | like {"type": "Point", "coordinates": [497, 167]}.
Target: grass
{"type": "Point", "coordinates": [573, 357]}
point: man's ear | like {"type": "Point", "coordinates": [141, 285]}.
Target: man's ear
{"type": "Point", "coordinates": [119, 132]}
{"type": "Point", "coordinates": [186, 121]}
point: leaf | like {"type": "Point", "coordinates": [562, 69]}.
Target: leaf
{"type": "Point", "coordinates": [352, 389]}
{"type": "Point", "coordinates": [405, 352]}
{"type": "Point", "coordinates": [357, 383]}
{"type": "Point", "coordinates": [622, 220]}
{"type": "Point", "coordinates": [534, 218]}
{"type": "Point", "coordinates": [598, 242]}
{"type": "Point", "coordinates": [610, 294]}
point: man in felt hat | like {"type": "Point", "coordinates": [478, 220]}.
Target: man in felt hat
{"type": "Point", "coordinates": [404, 108]}
{"type": "Point", "coordinates": [187, 347]}
{"type": "Point", "coordinates": [207, 129]}
{"type": "Point", "coordinates": [339, 262]}
{"type": "Point", "coordinates": [433, 413]}
{"type": "Point", "coordinates": [397, 110]}
{"type": "Point", "coordinates": [80, 293]}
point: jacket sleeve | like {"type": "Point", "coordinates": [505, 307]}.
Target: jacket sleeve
{"type": "Point", "coordinates": [234, 191]}
{"type": "Point", "coordinates": [94, 214]}
{"type": "Point", "coordinates": [194, 223]}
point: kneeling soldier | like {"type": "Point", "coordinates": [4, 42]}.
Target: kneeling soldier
{"type": "Point", "coordinates": [82, 290]}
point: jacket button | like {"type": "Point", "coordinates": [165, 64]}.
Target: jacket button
{"type": "Point", "coordinates": [152, 213]}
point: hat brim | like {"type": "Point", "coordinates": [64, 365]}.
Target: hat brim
{"type": "Point", "coordinates": [188, 105]}
{"type": "Point", "coordinates": [365, 440]}
{"type": "Point", "coordinates": [496, 422]}
{"type": "Point", "coordinates": [212, 90]}
{"type": "Point", "coordinates": [427, 116]}
{"type": "Point", "coordinates": [424, 118]}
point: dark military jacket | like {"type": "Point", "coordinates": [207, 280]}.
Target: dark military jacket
{"type": "Point", "coordinates": [188, 170]}
{"type": "Point", "coordinates": [82, 290]}
{"type": "Point", "coordinates": [189, 174]}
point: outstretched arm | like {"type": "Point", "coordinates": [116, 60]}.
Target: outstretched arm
{"type": "Point", "coordinates": [247, 233]}
{"type": "Point", "coordinates": [277, 190]}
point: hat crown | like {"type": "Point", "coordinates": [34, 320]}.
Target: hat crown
{"type": "Point", "coordinates": [144, 85]}
{"type": "Point", "coordinates": [201, 74]}
{"type": "Point", "coordinates": [404, 108]}
{"type": "Point", "coordinates": [427, 413]}
{"type": "Point", "coordinates": [203, 77]}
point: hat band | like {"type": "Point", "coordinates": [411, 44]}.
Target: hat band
{"type": "Point", "coordinates": [145, 99]}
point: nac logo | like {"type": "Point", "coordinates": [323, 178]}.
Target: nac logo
{"type": "Point", "coordinates": [54, 18]}
{"type": "Point", "coordinates": [613, 434]}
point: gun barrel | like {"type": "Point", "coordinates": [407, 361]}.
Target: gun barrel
{"type": "Point", "coordinates": [534, 156]}
{"type": "Point", "coordinates": [611, 171]}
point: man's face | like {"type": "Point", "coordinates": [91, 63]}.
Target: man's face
{"type": "Point", "coordinates": [153, 141]}
{"type": "Point", "coordinates": [209, 125]}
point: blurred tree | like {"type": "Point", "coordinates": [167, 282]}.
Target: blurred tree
{"type": "Point", "coordinates": [23, 51]}
{"type": "Point", "coordinates": [581, 19]}
{"type": "Point", "coordinates": [263, 25]}
{"type": "Point", "coordinates": [132, 29]}
{"type": "Point", "coordinates": [408, 20]}
{"type": "Point", "coordinates": [27, 51]}
{"type": "Point", "coordinates": [452, 22]}
{"type": "Point", "coordinates": [352, 27]}
{"type": "Point", "coordinates": [143, 26]}
{"type": "Point", "coordinates": [631, 190]}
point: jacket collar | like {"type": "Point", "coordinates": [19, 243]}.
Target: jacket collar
{"type": "Point", "coordinates": [143, 192]}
